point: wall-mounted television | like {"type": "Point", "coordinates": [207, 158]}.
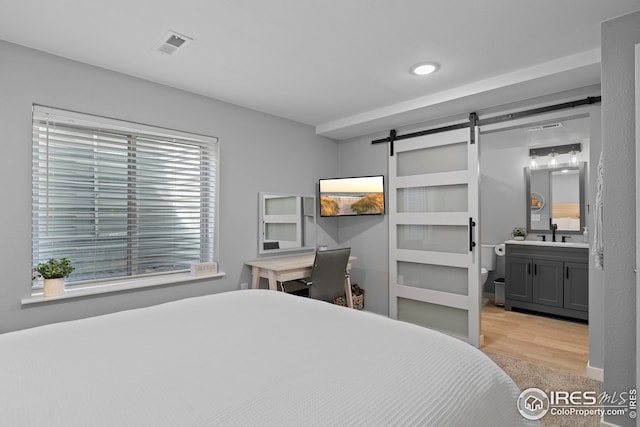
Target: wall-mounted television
{"type": "Point", "coordinates": [363, 195]}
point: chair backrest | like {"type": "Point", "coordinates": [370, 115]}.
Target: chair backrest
{"type": "Point", "coordinates": [328, 274]}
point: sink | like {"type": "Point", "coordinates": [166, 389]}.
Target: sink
{"type": "Point", "coordinates": [541, 243]}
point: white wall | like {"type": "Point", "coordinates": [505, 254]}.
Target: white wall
{"type": "Point", "coordinates": [367, 235]}
{"type": "Point", "coordinates": [619, 37]}
{"type": "Point", "coordinates": [258, 153]}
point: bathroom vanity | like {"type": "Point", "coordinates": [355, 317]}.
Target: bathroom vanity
{"type": "Point", "coordinates": [549, 277]}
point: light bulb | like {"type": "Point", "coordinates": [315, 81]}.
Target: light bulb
{"type": "Point", "coordinates": [574, 158]}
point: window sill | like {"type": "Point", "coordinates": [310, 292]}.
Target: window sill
{"type": "Point", "coordinates": [115, 286]}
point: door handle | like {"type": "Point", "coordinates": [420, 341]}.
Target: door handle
{"type": "Point", "coordinates": [535, 269]}
{"type": "Point", "coordinates": [528, 268]}
{"type": "Point", "coordinates": [567, 272]}
{"type": "Point", "coordinates": [472, 244]}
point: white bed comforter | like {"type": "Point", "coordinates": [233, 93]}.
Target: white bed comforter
{"type": "Point", "coordinates": [248, 358]}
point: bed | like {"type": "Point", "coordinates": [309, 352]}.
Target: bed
{"type": "Point", "coordinates": [251, 357]}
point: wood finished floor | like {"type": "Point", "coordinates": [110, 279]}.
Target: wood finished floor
{"type": "Point", "coordinates": [555, 343]}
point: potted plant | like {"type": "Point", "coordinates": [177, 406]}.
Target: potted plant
{"type": "Point", "coordinates": [519, 233]}
{"type": "Point", "coordinates": [54, 272]}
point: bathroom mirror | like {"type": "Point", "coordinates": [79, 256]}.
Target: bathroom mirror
{"type": "Point", "coordinates": [556, 195]}
{"type": "Point", "coordinates": [287, 222]}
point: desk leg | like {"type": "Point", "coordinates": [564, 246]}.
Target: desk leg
{"type": "Point", "coordinates": [347, 291]}
{"type": "Point", "coordinates": [255, 277]}
{"type": "Point", "coordinates": [273, 284]}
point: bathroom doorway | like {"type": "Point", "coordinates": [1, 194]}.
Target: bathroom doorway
{"type": "Point", "coordinates": [504, 154]}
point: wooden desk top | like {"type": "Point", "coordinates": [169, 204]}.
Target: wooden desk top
{"type": "Point", "coordinates": [284, 263]}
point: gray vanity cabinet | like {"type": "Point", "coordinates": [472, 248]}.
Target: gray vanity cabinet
{"type": "Point", "coordinates": [576, 297]}
{"type": "Point", "coordinates": [548, 286]}
{"type": "Point", "coordinates": [519, 279]}
{"type": "Point", "coordinates": [549, 279]}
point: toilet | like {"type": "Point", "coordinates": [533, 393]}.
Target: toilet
{"type": "Point", "coordinates": [487, 262]}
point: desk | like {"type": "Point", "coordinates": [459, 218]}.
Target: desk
{"type": "Point", "coordinates": [283, 269]}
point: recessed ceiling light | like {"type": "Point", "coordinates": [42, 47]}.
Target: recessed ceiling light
{"type": "Point", "coordinates": [424, 69]}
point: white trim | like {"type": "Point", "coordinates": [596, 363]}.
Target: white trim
{"type": "Point", "coordinates": [116, 286]}
{"type": "Point", "coordinates": [637, 108]}
{"type": "Point", "coordinates": [440, 258]}
{"type": "Point", "coordinates": [42, 112]}
{"type": "Point", "coordinates": [595, 373]}
{"type": "Point", "coordinates": [432, 218]}
{"type": "Point", "coordinates": [434, 179]}
{"type": "Point", "coordinates": [434, 297]}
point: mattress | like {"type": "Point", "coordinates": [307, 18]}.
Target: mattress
{"type": "Point", "coordinates": [251, 357]}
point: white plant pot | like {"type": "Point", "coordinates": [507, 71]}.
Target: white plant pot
{"type": "Point", "coordinates": [53, 287]}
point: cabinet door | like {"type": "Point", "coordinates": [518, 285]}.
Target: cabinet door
{"type": "Point", "coordinates": [518, 279]}
{"type": "Point", "coordinates": [548, 285]}
{"type": "Point", "coordinates": [576, 286]}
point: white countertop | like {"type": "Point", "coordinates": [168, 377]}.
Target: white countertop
{"type": "Point", "coordinates": [541, 243]}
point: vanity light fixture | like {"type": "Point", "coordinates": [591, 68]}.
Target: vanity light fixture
{"type": "Point", "coordinates": [424, 69]}
{"type": "Point", "coordinates": [553, 152]}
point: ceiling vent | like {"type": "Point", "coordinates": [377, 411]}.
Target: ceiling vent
{"type": "Point", "coordinates": [171, 42]}
{"type": "Point", "coordinates": [543, 127]}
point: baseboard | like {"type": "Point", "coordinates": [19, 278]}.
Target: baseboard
{"type": "Point", "coordinates": [595, 373]}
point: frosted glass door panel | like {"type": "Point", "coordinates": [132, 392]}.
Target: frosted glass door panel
{"type": "Point", "coordinates": [442, 278]}
{"type": "Point", "coordinates": [444, 158]}
{"type": "Point", "coordinates": [448, 319]}
{"type": "Point", "coordinates": [443, 198]}
{"type": "Point", "coordinates": [440, 238]}
{"type": "Point", "coordinates": [281, 206]}
{"type": "Point", "coordinates": [433, 207]}
{"type": "Point", "coordinates": [281, 232]}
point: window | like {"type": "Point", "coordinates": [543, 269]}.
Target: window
{"type": "Point", "coordinates": [120, 199]}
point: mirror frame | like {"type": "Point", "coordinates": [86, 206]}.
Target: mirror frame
{"type": "Point", "coordinates": [312, 233]}
{"type": "Point", "coordinates": [581, 178]}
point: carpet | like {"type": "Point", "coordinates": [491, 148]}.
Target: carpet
{"type": "Point", "coordinates": [527, 375]}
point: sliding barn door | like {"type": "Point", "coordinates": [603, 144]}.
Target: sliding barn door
{"type": "Point", "coordinates": [433, 233]}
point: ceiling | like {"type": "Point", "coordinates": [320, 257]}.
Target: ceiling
{"type": "Point", "coordinates": [339, 65]}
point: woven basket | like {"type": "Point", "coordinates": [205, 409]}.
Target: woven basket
{"type": "Point", "coordinates": [358, 301]}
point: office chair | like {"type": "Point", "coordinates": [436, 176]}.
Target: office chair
{"type": "Point", "coordinates": [329, 278]}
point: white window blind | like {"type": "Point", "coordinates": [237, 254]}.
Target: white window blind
{"type": "Point", "coordinates": [120, 199]}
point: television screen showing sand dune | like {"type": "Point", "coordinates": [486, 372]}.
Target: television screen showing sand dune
{"type": "Point", "coordinates": [352, 196]}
